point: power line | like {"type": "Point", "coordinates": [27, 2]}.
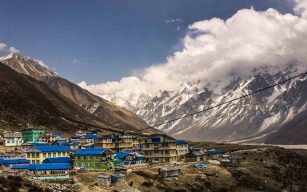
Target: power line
{"type": "Point", "coordinates": [218, 105]}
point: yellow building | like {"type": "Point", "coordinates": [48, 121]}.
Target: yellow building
{"type": "Point", "coordinates": [39, 153]}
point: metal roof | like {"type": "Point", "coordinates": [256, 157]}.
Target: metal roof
{"type": "Point", "coordinates": [216, 151]}
{"type": "Point", "coordinates": [58, 160]}
{"type": "Point", "coordinates": [52, 148]}
{"type": "Point", "coordinates": [94, 151]}
{"type": "Point", "coordinates": [122, 154]}
{"type": "Point", "coordinates": [104, 176]}
{"type": "Point", "coordinates": [19, 167]}
{"type": "Point", "coordinates": [91, 136]}
{"type": "Point", "coordinates": [181, 142]}
{"type": "Point", "coordinates": [8, 161]}
{"type": "Point", "coordinates": [49, 166]}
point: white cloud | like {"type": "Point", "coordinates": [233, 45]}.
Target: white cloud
{"type": "Point", "coordinates": [13, 50]}
{"type": "Point", "coordinates": [3, 46]}
{"type": "Point", "coordinates": [42, 63]}
{"type": "Point", "coordinates": [301, 7]}
{"type": "Point", "coordinates": [215, 48]}
{"type": "Point", "coordinates": [75, 60]}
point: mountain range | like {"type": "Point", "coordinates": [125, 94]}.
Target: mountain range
{"type": "Point", "coordinates": [56, 90]}
{"type": "Point", "coordinates": [276, 115]}
{"type": "Point", "coordinates": [30, 92]}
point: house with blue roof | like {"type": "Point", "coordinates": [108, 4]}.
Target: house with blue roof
{"type": "Point", "coordinates": [38, 153]}
{"type": "Point", "coordinates": [128, 158]}
{"type": "Point", "coordinates": [88, 138]}
{"type": "Point", "coordinates": [48, 171]}
{"type": "Point", "coordinates": [215, 153]}
{"type": "Point", "coordinates": [93, 159]}
{"type": "Point", "coordinates": [160, 148]}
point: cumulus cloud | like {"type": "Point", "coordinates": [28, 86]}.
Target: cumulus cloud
{"type": "Point", "coordinates": [42, 63]}
{"type": "Point", "coordinates": [13, 50]}
{"type": "Point", "coordinates": [215, 49]}
{"type": "Point", "coordinates": [3, 46]}
{"type": "Point", "coordinates": [301, 7]}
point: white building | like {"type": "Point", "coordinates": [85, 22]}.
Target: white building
{"type": "Point", "coordinates": [182, 147]}
{"type": "Point", "coordinates": [13, 139]}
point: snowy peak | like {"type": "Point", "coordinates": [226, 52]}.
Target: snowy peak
{"type": "Point", "coordinates": [129, 99]}
{"type": "Point", "coordinates": [27, 66]}
{"type": "Point", "coordinates": [250, 119]}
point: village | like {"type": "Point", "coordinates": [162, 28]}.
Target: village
{"type": "Point", "coordinates": [88, 161]}
{"type": "Point", "coordinates": [46, 156]}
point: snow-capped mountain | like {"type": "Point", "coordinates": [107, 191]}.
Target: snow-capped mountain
{"type": "Point", "coordinates": [252, 119]}
{"type": "Point", "coordinates": [129, 99]}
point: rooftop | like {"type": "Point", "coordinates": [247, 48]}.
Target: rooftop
{"type": "Point", "coordinates": [94, 151]}
{"type": "Point", "coordinates": [169, 169]}
{"type": "Point", "coordinates": [104, 176]}
{"type": "Point", "coordinates": [91, 136]}
{"type": "Point", "coordinates": [58, 160]}
{"type": "Point", "coordinates": [216, 151]}
{"type": "Point", "coordinates": [52, 148]}
{"type": "Point", "coordinates": [181, 142]}
{"type": "Point", "coordinates": [49, 166]}
{"type": "Point", "coordinates": [20, 166]}
{"type": "Point", "coordinates": [8, 161]}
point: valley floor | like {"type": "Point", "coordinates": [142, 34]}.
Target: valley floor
{"type": "Point", "coordinates": [263, 168]}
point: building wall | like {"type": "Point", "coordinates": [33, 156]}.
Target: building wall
{"type": "Point", "coordinates": [92, 162]}
{"type": "Point", "coordinates": [32, 135]}
{"type": "Point", "coordinates": [125, 143]}
{"type": "Point", "coordinates": [161, 152]}
{"type": "Point", "coordinates": [39, 157]}
{"type": "Point", "coordinates": [182, 149]}
{"type": "Point", "coordinates": [13, 142]}
{"type": "Point", "coordinates": [48, 139]}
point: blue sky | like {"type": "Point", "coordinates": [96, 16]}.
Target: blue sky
{"type": "Point", "coordinates": [100, 41]}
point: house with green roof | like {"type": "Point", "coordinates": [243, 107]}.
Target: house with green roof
{"type": "Point", "coordinates": [93, 159]}
{"type": "Point", "coordinates": [32, 134]}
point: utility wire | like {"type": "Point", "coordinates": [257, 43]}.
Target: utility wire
{"type": "Point", "coordinates": [218, 105]}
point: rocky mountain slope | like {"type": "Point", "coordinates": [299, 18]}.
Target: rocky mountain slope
{"type": "Point", "coordinates": [275, 115]}
{"type": "Point", "coordinates": [104, 110]}
{"type": "Point", "coordinates": [25, 100]}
